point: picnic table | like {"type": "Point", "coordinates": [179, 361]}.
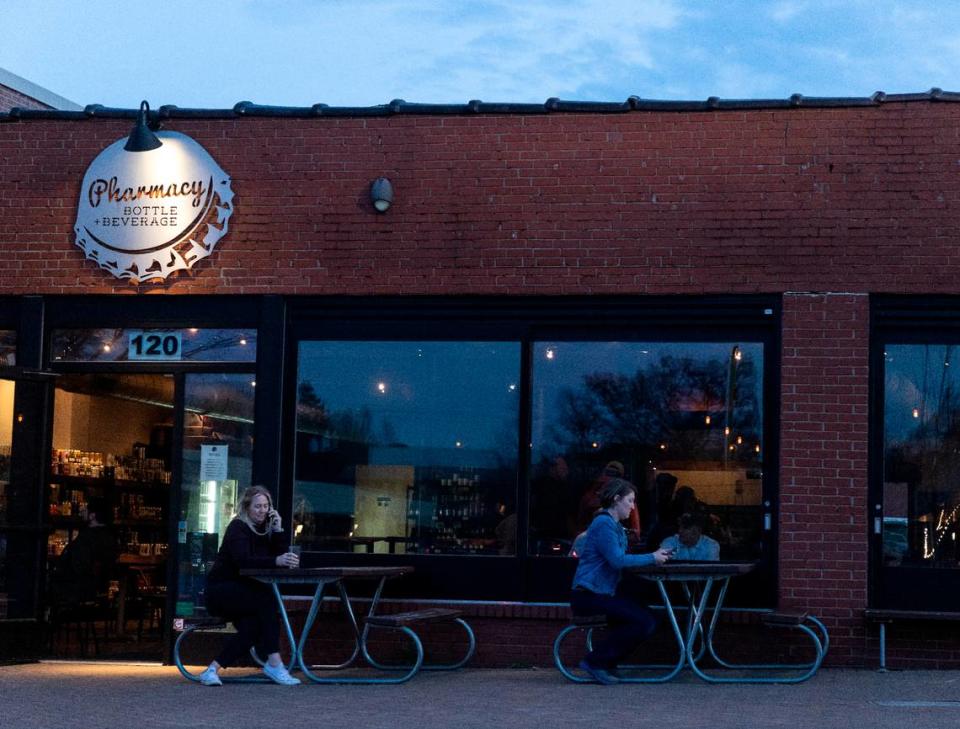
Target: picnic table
{"type": "Point", "coordinates": [320, 578]}
{"type": "Point", "coordinates": [698, 580]}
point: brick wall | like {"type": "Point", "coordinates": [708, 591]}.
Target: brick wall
{"type": "Point", "coordinates": [10, 98]}
{"type": "Point", "coordinates": [854, 199]}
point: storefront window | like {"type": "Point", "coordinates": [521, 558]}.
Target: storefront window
{"type": "Point", "coordinates": [153, 345]}
{"type": "Point", "coordinates": [921, 449]}
{"type": "Point", "coordinates": [8, 347]}
{"type": "Point", "coordinates": [407, 447]}
{"type": "Point", "coordinates": [6, 438]}
{"type": "Point", "coordinates": [682, 421]}
{"type": "Point", "coordinates": [217, 466]}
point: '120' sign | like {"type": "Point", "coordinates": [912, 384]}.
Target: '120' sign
{"type": "Point", "coordinates": [148, 345]}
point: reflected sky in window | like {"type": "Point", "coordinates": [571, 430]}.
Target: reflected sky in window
{"type": "Point", "coordinates": [424, 394]}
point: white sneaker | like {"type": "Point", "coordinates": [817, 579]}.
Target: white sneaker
{"type": "Point", "coordinates": [210, 678]}
{"type": "Point", "coordinates": [280, 675]}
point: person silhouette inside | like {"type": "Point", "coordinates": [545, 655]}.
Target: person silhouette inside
{"type": "Point", "coordinates": [690, 543]}
{"type": "Point", "coordinates": [83, 571]}
{"type": "Point", "coordinates": [590, 504]}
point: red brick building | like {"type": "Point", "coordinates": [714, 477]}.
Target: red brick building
{"type": "Point", "coordinates": [759, 297]}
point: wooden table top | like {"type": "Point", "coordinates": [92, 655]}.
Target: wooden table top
{"type": "Point", "coordinates": [693, 570]}
{"type": "Point", "coordinates": [314, 574]}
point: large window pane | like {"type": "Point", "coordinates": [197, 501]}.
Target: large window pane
{"type": "Point", "coordinates": [682, 421]}
{"type": "Point", "coordinates": [921, 465]}
{"type": "Point", "coordinates": [407, 447]}
{"type": "Point", "coordinates": [217, 466]}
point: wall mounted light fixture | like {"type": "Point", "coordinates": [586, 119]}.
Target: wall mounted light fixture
{"type": "Point", "coordinates": [141, 138]}
{"type": "Point", "coordinates": [381, 194]}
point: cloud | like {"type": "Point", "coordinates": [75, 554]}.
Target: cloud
{"type": "Point", "coordinates": [784, 12]}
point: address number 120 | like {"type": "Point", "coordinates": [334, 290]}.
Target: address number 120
{"type": "Point", "coordinates": [153, 345]}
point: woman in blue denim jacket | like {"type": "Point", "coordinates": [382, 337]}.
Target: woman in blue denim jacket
{"type": "Point", "coordinates": [596, 584]}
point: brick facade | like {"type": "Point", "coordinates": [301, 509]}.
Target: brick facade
{"type": "Point", "coordinates": [821, 206]}
{"type": "Point", "coordinates": [10, 98]}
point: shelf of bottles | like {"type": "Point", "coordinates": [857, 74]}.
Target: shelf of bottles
{"type": "Point", "coordinates": [135, 487]}
{"type": "Point", "coordinates": [453, 514]}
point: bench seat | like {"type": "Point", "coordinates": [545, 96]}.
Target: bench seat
{"type": "Point", "coordinates": [405, 622]}
{"type": "Point", "coordinates": [883, 617]}
{"type": "Point", "coordinates": [412, 617]}
{"type": "Point", "coordinates": [785, 618]}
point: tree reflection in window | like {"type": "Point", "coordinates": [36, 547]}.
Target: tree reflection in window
{"type": "Point", "coordinates": [692, 410]}
{"type": "Point", "coordinates": [921, 473]}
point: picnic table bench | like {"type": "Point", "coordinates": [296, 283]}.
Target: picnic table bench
{"type": "Point", "coordinates": [884, 617]}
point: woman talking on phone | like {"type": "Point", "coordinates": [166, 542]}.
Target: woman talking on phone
{"type": "Point", "coordinates": [596, 584]}
{"type": "Point", "coordinates": [254, 539]}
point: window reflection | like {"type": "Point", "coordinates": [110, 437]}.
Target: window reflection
{"type": "Point", "coordinates": [407, 447]}
{"type": "Point", "coordinates": [682, 421]}
{"type": "Point", "coordinates": [921, 475]}
{"type": "Point", "coordinates": [8, 347]}
{"type": "Point", "coordinates": [193, 345]}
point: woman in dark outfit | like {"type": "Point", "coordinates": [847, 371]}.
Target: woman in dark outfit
{"type": "Point", "coordinates": [254, 539]}
{"type": "Point", "coordinates": [596, 584]}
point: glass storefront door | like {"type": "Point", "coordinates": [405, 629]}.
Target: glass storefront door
{"type": "Point", "coordinates": [916, 515]}
{"type": "Point", "coordinates": [108, 506]}
{"type": "Point", "coordinates": [24, 401]}
{"type": "Point", "coordinates": [217, 461]}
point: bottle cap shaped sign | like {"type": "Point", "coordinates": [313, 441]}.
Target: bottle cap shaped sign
{"type": "Point", "coordinates": [145, 214]}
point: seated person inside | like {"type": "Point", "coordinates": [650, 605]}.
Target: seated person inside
{"type": "Point", "coordinates": [690, 544]}
{"type": "Point", "coordinates": [83, 571]}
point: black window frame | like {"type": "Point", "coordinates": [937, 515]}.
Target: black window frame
{"type": "Point", "coordinates": [895, 320]}
{"type": "Point", "coordinates": [525, 577]}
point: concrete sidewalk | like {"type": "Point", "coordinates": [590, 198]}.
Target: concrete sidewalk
{"type": "Point", "coordinates": [65, 695]}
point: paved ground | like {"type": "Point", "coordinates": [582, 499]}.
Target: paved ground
{"type": "Point", "coordinates": [65, 695]}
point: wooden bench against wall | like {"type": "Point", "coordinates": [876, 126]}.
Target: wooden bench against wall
{"type": "Point", "coordinates": [885, 617]}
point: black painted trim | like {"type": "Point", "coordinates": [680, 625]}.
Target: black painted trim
{"type": "Point", "coordinates": [475, 106]}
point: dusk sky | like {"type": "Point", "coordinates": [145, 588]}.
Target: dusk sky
{"type": "Point", "coordinates": [366, 52]}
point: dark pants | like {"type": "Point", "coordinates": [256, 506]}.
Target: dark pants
{"type": "Point", "coordinates": [252, 609]}
{"type": "Point", "coordinates": [630, 623]}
